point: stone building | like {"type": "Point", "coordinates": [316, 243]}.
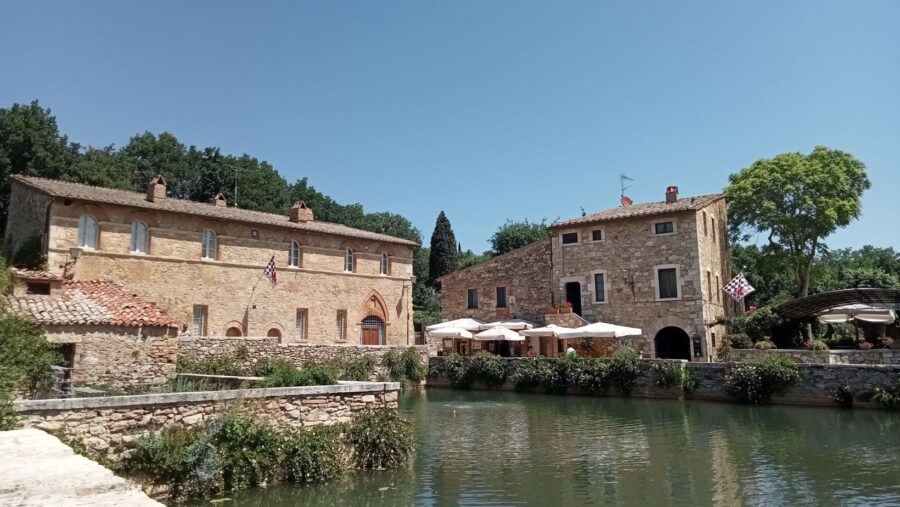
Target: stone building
{"type": "Point", "coordinates": [513, 285]}
{"type": "Point", "coordinates": [107, 334]}
{"type": "Point", "coordinates": [203, 263]}
{"type": "Point", "coordinates": [657, 266]}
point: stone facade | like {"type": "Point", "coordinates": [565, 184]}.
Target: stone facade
{"type": "Point", "coordinates": [111, 425]}
{"type": "Point", "coordinates": [247, 351]}
{"type": "Point", "coordinates": [873, 356]}
{"type": "Point", "coordinates": [524, 273]}
{"type": "Point", "coordinates": [172, 272]}
{"type": "Point", "coordinates": [628, 255]}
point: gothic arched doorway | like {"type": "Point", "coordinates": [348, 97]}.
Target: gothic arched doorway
{"type": "Point", "coordinates": [372, 331]}
{"type": "Point", "coordinates": [672, 343]}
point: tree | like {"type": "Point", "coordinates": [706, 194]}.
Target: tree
{"type": "Point", "coordinates": [797, 201]}
{"type": "Point", "coordinates": [513, 235]}
{"type": "Point", "coordinates": [443, 254]}
{"type": "Point", "coordinates": [470, 258]}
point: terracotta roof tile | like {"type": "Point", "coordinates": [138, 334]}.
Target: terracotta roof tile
{"type": "Point", "coordinates": [643, 210]}
{"type": "Point", "coordinates": [78, 191]}
{"type": "Point", "coordinates": [90, 302]}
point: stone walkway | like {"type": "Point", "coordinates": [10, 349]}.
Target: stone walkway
{"type": "Point", "coordinates": [37, 469]}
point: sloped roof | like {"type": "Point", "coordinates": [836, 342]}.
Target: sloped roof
{"type": "Point", "coordinates": [64, 189]}
{"type": "Point", "coordinates": [810, 306]}
{"type": "Point", "coordinates": [643, 210]}
{"type": "Point", "coordinates": [89, 302]}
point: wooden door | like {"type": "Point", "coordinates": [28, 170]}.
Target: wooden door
{"type": "Point", "coordinates": [370, 336]}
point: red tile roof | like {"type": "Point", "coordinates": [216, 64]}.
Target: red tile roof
{"type": "Point", "coordinates": [90, 302]}
{"type": "Point", "coordinates": [90, 193]}
{"type": "Point", "coordinates": [643, 210]}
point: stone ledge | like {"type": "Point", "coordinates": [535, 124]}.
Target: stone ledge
{"type": "Point", "coordinates": [109, 402]}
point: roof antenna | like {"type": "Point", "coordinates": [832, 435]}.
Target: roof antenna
{"type": "Point", "coordinates": [626, 201]}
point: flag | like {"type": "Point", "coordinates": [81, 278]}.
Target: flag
{"type": "Point", "coordinates": [739, 288]}
{"type": "Point", "coordinates": [271, 273]}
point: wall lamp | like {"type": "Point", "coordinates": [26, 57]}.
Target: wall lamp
{"type": "Point", "coordinates": [628, 279]}
{"type": "Point", "coordinates": [71, 259]}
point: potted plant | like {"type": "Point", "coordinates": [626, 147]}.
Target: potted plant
{"type": "Point", "coordinates": [565, 307]}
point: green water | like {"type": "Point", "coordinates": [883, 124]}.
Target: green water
{"type": "Point", "coordinates": [486, 448]}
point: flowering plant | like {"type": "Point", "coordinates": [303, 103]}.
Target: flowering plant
{"type": "Point", "coordinates": [865, 345]}
{"type": "Point", "coordinates": [887, 341]}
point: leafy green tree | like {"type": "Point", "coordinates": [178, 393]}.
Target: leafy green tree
{"type": "Point", "coordinates": [470, 258]}
{"type": "Point", "coordinates": [443, 254]}
{"type": "Point", "coordinates": [102, 167]}
{"type": "Point", "coordinates": [513, 235]}
{"type": "Point", "coordinates": [768, 273]}
{"type": "Point", "coordinates": [147, 155]}
{"type": "Point", "coordinates": [25, 355]}
{"type": "Point", "coordinates": [797, 201]}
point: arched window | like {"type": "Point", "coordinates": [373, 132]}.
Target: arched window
{"type": "Point", "coordinates": [385, 264]}
{"type": "Point", "coordinates": [139, 237]}
{"type": "Point", "coordinates": [208, 250]}
{"type": "Point", "coordinates": [87, 231]}
{"type": "Point", "coordinates": [349, 261]}
{"type": "Point", "coordinates": [294, 255]}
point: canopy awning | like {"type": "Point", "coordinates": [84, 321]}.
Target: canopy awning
{"type": "Point", "coordinates": [499, 333]}
{"type": "Point", "coordinates": [514, 324]}
{"type": "Point", "coordinates": [466, 323]}
{"type": "Point", "coordinates": [861, 312]}
{"type": "Point", "coordinates": [811, 306]}
{"type": "Point", "coordinates": [600, 330]}
{"type": "Point", "coordinates": [451, 332]}
{"type": "Point", "coordinates": [548, 330]}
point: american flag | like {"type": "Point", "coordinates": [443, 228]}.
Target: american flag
{"type": "Point", "coordinates": [739, 288]}
{"type": "Point", "coordinates": [271, 273]}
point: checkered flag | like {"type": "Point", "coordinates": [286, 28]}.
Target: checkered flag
{"type": "Point", "coordinates": [271, 273]}
{"type": "Point", "coordinates": [739, 288]}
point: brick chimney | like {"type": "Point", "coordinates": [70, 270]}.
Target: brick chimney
{"type": "Point", "coordinates": [300, 212]}
{"type": "Point", "coordinates": [156, 189]}
{"type": "Point", "coordinates": [219, 201]}
{"type": "Point", "coordinates": [671, 194]}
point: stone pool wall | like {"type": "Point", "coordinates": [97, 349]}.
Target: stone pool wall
{"type": "Point", "coordinates": [872, 356]}
{"type": "Point", "coordinates": [111, 425]}
{"type": "Point", "coordinates": [816, 385]}
{"type": "Point", "coordinates": [247, 351]}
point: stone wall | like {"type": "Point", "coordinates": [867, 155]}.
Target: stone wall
{"type": "Point", "coordinates": [816, 385]}
{"type": "Point", "coordinates": [111, 425]}
{"type": "Point", "coordinates": [525, 272]}
{"type": "Point", "coordinates": [247, 351]}
{"type": "Point", "coordinates": [872, 356]}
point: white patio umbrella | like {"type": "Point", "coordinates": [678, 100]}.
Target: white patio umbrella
{"type": "Point", "coordinates": [860, 312]}
{"type": "Point", "coordinates": [499, 333]}
{"type": "Point", "coordinates": [548, 330]}
{"type": "Point", "coordinates": [514, 324]}
{"type": "Point", "coordinates": [600, 330]}
{"type": "Point", "coordinates": [451, 332]}
{"type": "Point", "coordinates": [466, 323]}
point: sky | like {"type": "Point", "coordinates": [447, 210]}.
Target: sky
{"type": "Point", "coordinates": [488, 110]}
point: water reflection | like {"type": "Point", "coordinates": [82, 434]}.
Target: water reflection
{"type": "Point", "coordinates": [478, 448]}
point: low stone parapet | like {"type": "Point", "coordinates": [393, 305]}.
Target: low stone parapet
{"type": "Point", "coordinates": [110, 425]}
{"type": "Point", "coordinates": [836, 356]}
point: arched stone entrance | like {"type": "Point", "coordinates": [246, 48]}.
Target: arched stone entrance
{"type": "Point", "coordinates": [672, 343]}
{"type": "Point", "coordinates": [372, 331]}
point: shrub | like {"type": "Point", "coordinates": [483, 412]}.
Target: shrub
{"type": "Point", "coordinates": [285, 374]}
{"type": "Point", "coordinates": [531, 374]}
{"type": "Point", "coordinates": [381, 439]}
{"type": "Point", "coordinates": [887, 341]}
{"type": "Point", "coordinates": [488, 368]}
{"type": "Point", "coordinates": [888, 396]}
{"type": "Point", "coordinates": [624, 369]}
{"type": "Point", "coordinates": [358, 369]}
{"type": "Point", "coordinates": [816, 345]}
{"type": "Point", "coordinates": [755, 381]}
{"type": "Point", "coordinates": [739, 341]}
{"type": "Point", "coordinates": [8, 418]}
{"type": "Point", "coordinates": [315, 454]}
{"type": "Point", "coordinates": [865, 345]}
{"type": "Point", "coordinates": [174, 457]}
{"type": "Point", "coordinates": [404, 367]}
{"type": "Point", "coordinates": [456, 368]}
{"type": "Point", "coordinates": [247, 451]}
{"type": "Point", "coordinates": [670, 374]}
{"type": "Point", "coordinates": [269, 365]}
{"type": "Point", "coordinates": [589, 376]}
{"type": "Point", "coordinates": [26, 357]}
{"type": "Point", "coordinates": [764, 345]}
{"type": "Point", "coordinates": [843, 396]}
{"type": "Point", "coordinates": [215, 365]}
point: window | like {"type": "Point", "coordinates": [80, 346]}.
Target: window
{"type": "Point", "coordinates": [501, 297]}
{"type": "Point", "coordinates": [208, 250]}
{"type": "Point", "coordinates": [139, 237]}
{"type": "Point", "coordinates": [300, 329]}
{"type": "Point", "coordinates": [599, 287]}
{"type": "Point", "coordinates": [718, 289]}
{"type": "Point", "coordinates": [294, 255]}
{"type": "Point", "coordinates": [87, 231]}
{"type": "Point", "coordinates": [667, 281]}
{"type": "Point", "coordinates": [569, 238]}
{"type": "Point", "coordinates": [664, 228]}
{"type": "Point", "coordinates": [385, 264]}
{"type": "Point", "coordinates": [349, 262]}
{"type": "Point", "coordinates": [597, 235]}
{"type": "Point", "coordinates": [709, 286]}
{"type": "Point", "coordinates": [341, 323]}
{"type": "Point", "coordinates": [472, 299]}
{"type": "Point", "coordinates": [200, 320]}
{"type": "Point", "coordinates": [705, 230]}
{"type": "Point", "coordinates": [713, 225]}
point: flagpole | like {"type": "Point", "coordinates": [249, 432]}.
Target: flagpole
{"type": "Point", "coordinates": [250, 299]}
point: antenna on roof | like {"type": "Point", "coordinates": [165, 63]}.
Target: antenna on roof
{"type": "Point", "coordinates": [626, 201]}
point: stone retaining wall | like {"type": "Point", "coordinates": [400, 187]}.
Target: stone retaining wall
{"type": "Point", "coordinates": [816, 385]}
{"type": "Point", "coordinates": [111, 425]}
{"type": "Point", "coordinates": [839, 356]}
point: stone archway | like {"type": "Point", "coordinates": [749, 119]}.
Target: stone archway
{"type": "Point", "coordinates": [672, 343]}
{"type": "Point", "coordinates": [372, 331]}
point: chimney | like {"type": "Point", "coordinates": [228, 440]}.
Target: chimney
{"type": "Point", "coordinates": [218, 201]}
{"type": "Point", "coordinates": [300, 212]}
{"type": "Point", "coordinates": [156, 190]}
{"type": "Point", "coordinates": [671, 194]}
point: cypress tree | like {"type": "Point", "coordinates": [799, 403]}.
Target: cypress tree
{"type": "Point", "coordinates": [444, 255]}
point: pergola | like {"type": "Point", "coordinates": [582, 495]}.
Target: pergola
{"type": "Point", "coordinates": [810, 306]}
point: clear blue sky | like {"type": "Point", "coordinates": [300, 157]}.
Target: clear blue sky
{"type": "Point", "coordinates": [489, 110]}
